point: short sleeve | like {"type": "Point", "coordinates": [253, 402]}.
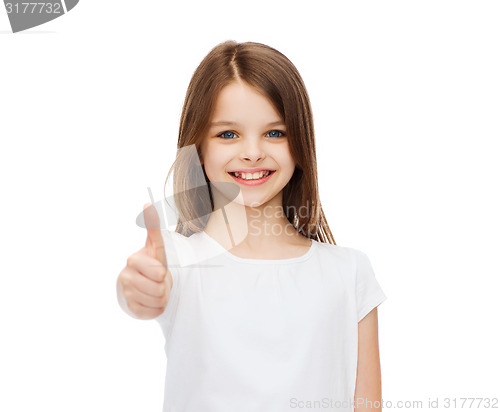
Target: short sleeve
{"type": "Point", "coordinates": [369, 294]}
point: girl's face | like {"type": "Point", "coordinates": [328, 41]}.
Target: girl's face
{"type": "Point", "coordinates": [247, 133]}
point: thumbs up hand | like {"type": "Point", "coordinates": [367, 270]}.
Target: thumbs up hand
{"type": "Point", "coordinates": [144, 285]}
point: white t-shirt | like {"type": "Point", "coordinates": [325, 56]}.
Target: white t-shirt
{"type": "Point", "coordinates": [257, 335]}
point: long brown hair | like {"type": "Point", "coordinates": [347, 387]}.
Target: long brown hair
{"type": "Point", "coordinates": [270, 72]}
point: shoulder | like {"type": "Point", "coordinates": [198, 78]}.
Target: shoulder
{"type": "Point", "coordinates": [179, 248]}
{"type": "Point", "coordinates": [189, 251]}
{"type": "Point", "coordinates": [345, 253]}
{"type": "Point", "coordinates": [349, 258]}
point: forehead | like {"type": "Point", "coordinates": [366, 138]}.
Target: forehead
{"type": "Point", "coordinates": [240, 103]}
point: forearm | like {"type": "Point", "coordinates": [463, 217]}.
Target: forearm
{"type": "Point", "coordinates": [368, 393]}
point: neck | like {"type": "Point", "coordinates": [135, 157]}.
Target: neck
{"type": "Point", "coordinates": [257, 227]}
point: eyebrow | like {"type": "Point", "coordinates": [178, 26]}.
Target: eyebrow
{"type": "Point", "coordinates": [228, 123]}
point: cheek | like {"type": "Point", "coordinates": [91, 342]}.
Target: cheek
{"type": "Point", "coordinates": [284, 158]}
{"type": "Point", "coordinates": [215, 160]}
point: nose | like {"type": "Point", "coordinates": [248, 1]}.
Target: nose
{"type": "Point", "coordinates": [252, 151]}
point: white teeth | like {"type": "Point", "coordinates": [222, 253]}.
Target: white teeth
{"type": "Point", "coordinates": [252, 176]}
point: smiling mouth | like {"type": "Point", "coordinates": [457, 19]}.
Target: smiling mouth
{"type": "Point", "coordinates": [249, 176]}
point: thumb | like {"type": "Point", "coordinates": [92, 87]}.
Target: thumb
{"type": "Point", "coordinates": [154, 241]}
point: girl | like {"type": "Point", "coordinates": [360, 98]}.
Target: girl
{"type": "Point", "coordinates": [276, 316]}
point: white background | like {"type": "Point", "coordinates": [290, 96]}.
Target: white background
{"type": "Point", "coordinates": [406, 105]}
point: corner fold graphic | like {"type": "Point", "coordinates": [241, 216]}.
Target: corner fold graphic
{"type": "Point", "coordinates": [70, 4]}
{"type": "Point", "coordinates": [24, 15]}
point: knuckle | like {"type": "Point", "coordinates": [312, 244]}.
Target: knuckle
{"type": "Point", "coordinates": [125, 280]}
{"type": "Point", "coordinates": [134, 307]}
{"type": "Point", "coordinates": [131, 260]}
{"type": "Point", "coordinates": [162, 273]}
{"type": "Point", "coordinates": [130, 278]}
{"type": "Point", "coordinates": [164, 302]}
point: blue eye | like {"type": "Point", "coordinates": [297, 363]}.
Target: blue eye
{"type": "Point", "coordinates": [223, 133]}
{"type": "Point", "coordinates": [276, 131]}
{"type": "Point", "coordinates": [227, 135]}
